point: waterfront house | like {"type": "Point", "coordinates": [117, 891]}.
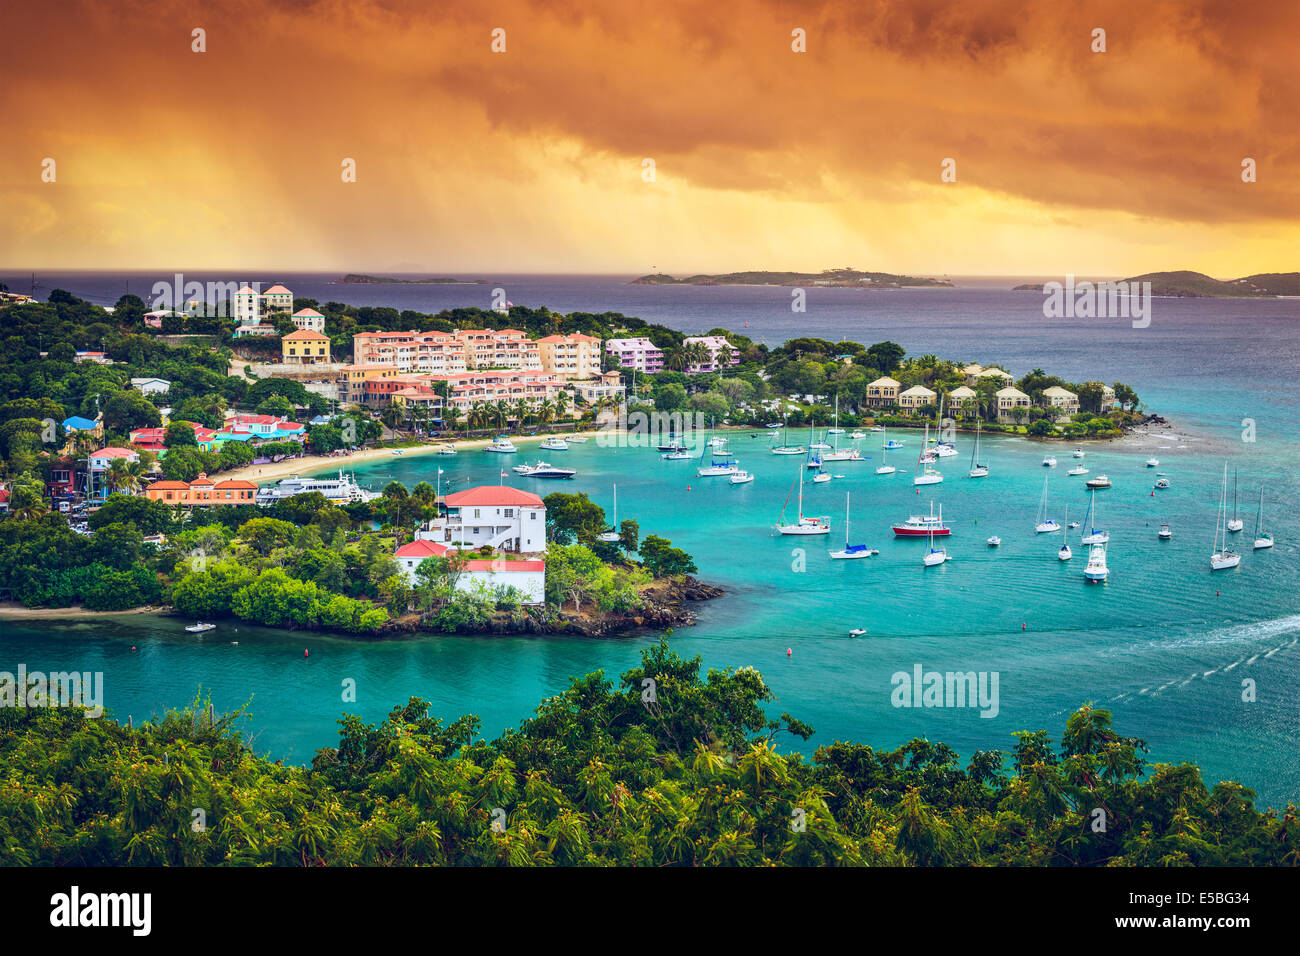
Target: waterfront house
{"type": "Point", "coordinates": [1010, 398]}
{"type": "Point", "coordinates": [1062, 401]}
{"type": "Point", "coordinates": [494, 516]}
{"type": "Point", "coordinates": [958, 398]}
{"type": "Point", "coordinates": [883, 392]}
{"type": "Point", "coordinates": [305, 347]}
{"type": "Point", "coordinates": [917, 397]}
{"type": "Point", "coordinates": [527, 575]}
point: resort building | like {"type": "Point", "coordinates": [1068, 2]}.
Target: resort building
{"type": "Point", "coordinates": [918, 396]}
{"type": "Point", "coordinates": [574, 356]}
{"type": "Point", "coordinates": [1062, 400]}
{"type": "Point", "coordinates": [494, 516]}
{"type": "Point", "coordinates": [883, 392]}
{"type": "Point", "coordinates": [496, 386]}
{"type": "Point", "coordinates": [959, 396]}
{"type": "Point", "coordinates": [527, 576]}
{"type": "Point", "coordinates": [499, 348]}
{"type": "Point", "coordinates": [309, 319]}
{"type": "Point", "coordinates": [1010, 398]}
{"type": "Point", "coordinates": [305, 347]}
{"type": "Point", "coordinates": [246, 305]}
{"type": "Point", "coordinates": [352, 381]}
{"type": "Point", "coordinates": [433, 353]}
{"type": "Point", "coordinates": [723, 353]}
{"type": "Point", "coordinates": [203, 492]}
{"type": "Point", "coordinates": [972, 373]}
{"type": "Point", "coordinates": [277, 299]}
{"type": "Point", "coordinates": [639, 353]}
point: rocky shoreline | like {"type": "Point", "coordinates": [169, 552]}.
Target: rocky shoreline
{"type": "Point", "coordinates": [666, 605]}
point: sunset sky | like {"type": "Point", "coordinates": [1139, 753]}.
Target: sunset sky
{"type": "Point", "coordinates": [470, 161]}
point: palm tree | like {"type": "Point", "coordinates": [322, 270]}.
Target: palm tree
{"type": "Point", "coordinates": [522, 411]}
{"type": "Point", "coordinates": [545, 411]}
{"type": "Point", "coordinates": [450, 414]}
{"type": "Point", "coordinates": [124, 476]}
{"type": "Point", "coordinates": [561, 405]}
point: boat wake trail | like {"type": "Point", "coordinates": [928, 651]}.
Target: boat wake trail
{"type": "Point", "coordinates": [1255, 632]}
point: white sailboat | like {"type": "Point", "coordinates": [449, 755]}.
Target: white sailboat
{"type": "Point", "coordinates": [885, 467]}
{"type": "Point", "coordinates": [935, 556]}
{"type": "Point", "coordinates": [1223, 557]}
{"type": "Point", "coordinates": [977, 468]}
{"type": "Point", "coordinates": [612, 534]}
{"type": "Point", "coordinates": [803, 526]}
{"type": "Point", "coordinates": [1234, 523]}
{"type": "Point", "coordinates": [715, 468]}
{"type": "Point", "coordinates": [1064, 553]}
{"type": "Point", "coordinates": [1090, 534]}
{"type": "Point", "coordinates": [925, 474]}
{"type": "Point", "coordinates": [1044, 524]}
{"type": "Point", "coordinates": [1262, 538]}
{"type": "Point", "coordinates": [785, 448]}
{"type": "Point", "coordinates": [944, 449]}
{"type": "Point", "coordinates": [849, 454]}
{"type": "Point", "coordinates": [851, 551]}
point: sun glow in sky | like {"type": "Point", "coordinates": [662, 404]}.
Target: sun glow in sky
{"type": "Point", "coordinates": [531, 160]}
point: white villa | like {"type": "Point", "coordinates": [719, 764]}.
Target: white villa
{"type": "Point", "coordinates": [1062, 400]}
{"type": "Point", "coordinates": [508, 520]}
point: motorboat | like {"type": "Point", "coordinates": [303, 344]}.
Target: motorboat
{"type": "Point", "coordinates": [1049, 462]}
{"type": "Point", "coordinates": [857, 631]}
{"type": "Point", "coordinates": [1153, 462]}
{"type": "Point", "coordinates": [1096, 569]}
{"type": "Point", "coordinates": [502, 446]}
{"type": "Point", "coordinates": [544, 469]}
{"type": "Point", "coordinates": [446, 450]}
{"type": "Point", "coordinates": [201, 628]}
{"type": "Point", "coordinates": [679, 455]}
{"type": "Point", "coordinates": [555, 444]}
{"type": "Point", "coordinates": [1077, 470]}
{"type": "Point", "coordinates": [578, 439]}
{"type": "Point", "coordinates": [1079, 453]}
{"type": "Point", "coordinates": [994, 541]}
{"type": "Point", "coordinates": [919, 526]}
{"type": "Point", "coordinates": [1162, 482]}
{"type": "Point", "coordinates": [1101, 481]}
{"type": "Point", "coordinates": [740, 477]}
{"type": "Point", "coordinates": [1164, 534]}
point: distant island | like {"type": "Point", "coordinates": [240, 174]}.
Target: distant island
{"type": "Point", "coordinates": [835, 278]}
{"type": "Point", "coordinates": [1187, 284]}
{"type": "Point", "coordinates": [353, 278]}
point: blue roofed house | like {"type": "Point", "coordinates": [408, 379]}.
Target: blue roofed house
{"type": "Point", "coordinates": [75, 423]}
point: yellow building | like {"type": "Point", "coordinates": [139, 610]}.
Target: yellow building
{"type": "Point", "coordinates": [305, 347]}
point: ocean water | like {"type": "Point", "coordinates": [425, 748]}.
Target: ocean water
{"type": "Point", "coordinates": [1166, 643]}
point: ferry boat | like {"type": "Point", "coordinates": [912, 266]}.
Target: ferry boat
{"type": "Point", "coordinates": [921, 526]}
{"type": "Point", "coordinates": [341, 490]}
{"type": "Point", "coordinates": [502, 445]}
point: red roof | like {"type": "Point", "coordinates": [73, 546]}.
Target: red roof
{"type": "Point", "coordinates": [235, 483]}
{"type": "Point", "coordinates": [113, 452]}
{"type": "Point", "coordinates": [276, 290]}
{"type": "Point", "coordinates": [493, 496]}
{"type": "Point", "coordinates": [422, 548]}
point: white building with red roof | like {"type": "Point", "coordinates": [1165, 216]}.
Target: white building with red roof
{"type": "Point", "coordinates": [525, 575]}
{"type": "Point", "coordinates": [494, 516]}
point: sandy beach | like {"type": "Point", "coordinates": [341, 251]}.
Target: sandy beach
{"type": "Point", "coordinates": [311, 464]}
{"type": "Point", "coordinates": [16, 612]}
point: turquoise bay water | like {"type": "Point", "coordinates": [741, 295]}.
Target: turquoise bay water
{"type": "Point", "coordinates": [1165, 644]}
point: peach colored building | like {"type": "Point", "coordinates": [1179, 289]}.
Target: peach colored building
{"type": "Point", "coordinates": [203, 492]}
{"type": "Point", "coordinates": [433, 353]}
{"type": "Point", "coordinates": [570, 356]}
